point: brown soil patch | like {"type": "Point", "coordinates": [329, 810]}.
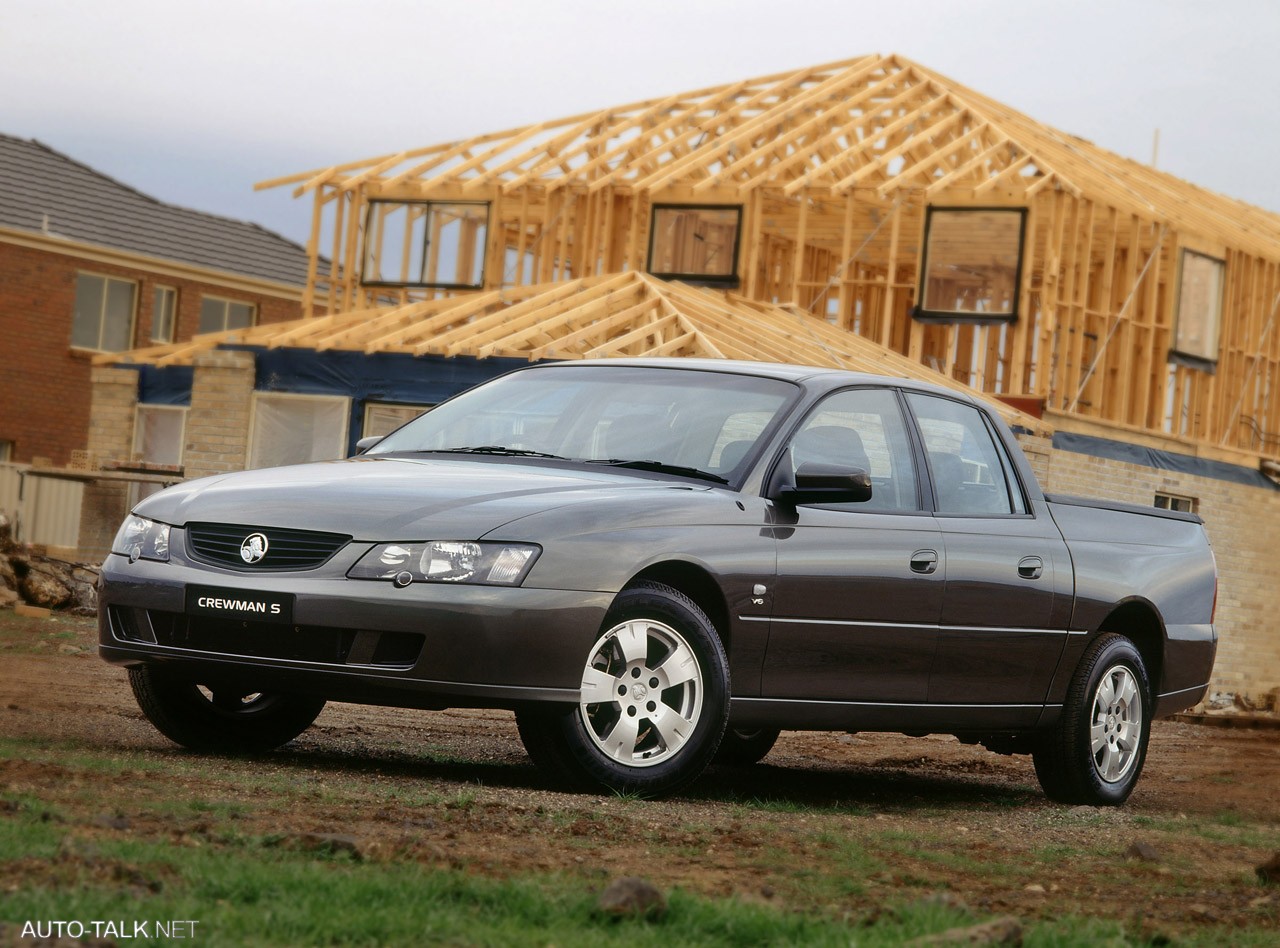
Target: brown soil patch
{"type": "Point", "coordinates": [896, 817]}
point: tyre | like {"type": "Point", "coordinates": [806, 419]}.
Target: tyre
{"type": "Point", "coordinates": [654, 700]}
{"type": "Point", "coordinates": [223, 717]}
{"type": "Point", "coordinates": [745, 746]}
{"type": "Point", "coordinates": [1096, 751]}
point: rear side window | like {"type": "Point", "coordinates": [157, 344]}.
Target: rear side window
{"type": "Point", "coordinates": [971, 476]}
{"type": "Point", "coordinates": [863, 428]}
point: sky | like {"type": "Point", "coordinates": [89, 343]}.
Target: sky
{"type": "Point", "coordinates": [193, 101]}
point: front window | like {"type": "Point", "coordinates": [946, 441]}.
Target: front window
{"type": "Point", "coordinates": [972, 262]}
{"type": "Point", "coordinates": [861, 428]}
{"type": "Point", "coordinates": [1200, 283]}
{"type": "Point", "coordinates": [425, 244]}
{"type": "Point", "coordinates": [219, 315]}
{"type": "Point", "coordinates": [695, 243]}
{"type": "Point", "coordinates": [646, 418]}
{"type": "Point", "coordinates": [103, 318]}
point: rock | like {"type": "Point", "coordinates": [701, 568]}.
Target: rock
{"type": "Point", "coordinates": [8, 598]}
{"type": "Point", "coordinates": [1005, 930]}
{"type": "Point", "coordinates": [8, 578]}
{"type": "Point", "coordinates": [1243, 703]}
{"type": "Point", "coordinates": [1203, 913]}
{"type": "Point", "coordinates": [1219, 700]}
{"type": "Point", "coordinates": [1144, 852]}
{"type": "Point", "coordinates": [1269, 871]}
{"type": "Point", "coordinates": [1034, 887]}
{"type": "Point", "coordinates": [630, 897]}
{"type": "Point", "coordinates": [41, 588]}
{"type": "Point", "coordinates": [329, 843]}
{"type": "Point", "coordinates": [947, 900]}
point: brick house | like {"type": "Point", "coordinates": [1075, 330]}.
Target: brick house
{"type": "Point", "coordinates": [867, 214]}
{"type": "Point", "coordinates": [89, 265]}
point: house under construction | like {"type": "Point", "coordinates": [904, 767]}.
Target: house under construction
{"type": "Point", "coordinates": [869, 214]}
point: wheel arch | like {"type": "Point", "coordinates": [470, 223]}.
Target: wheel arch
{"type": "Point", "coordinates": [698, 584]}
{"type": "Point", "coordinates": [1139, 621]}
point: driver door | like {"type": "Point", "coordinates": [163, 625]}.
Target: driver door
{"type": "Point", "coordinates": [858, 595]}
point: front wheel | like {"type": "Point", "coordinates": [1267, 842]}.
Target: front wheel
{"type": "Point", "coordinates": [220, 717]}
{"type": "Point", "coordinates": [653, 705]}
{"type": "Point", "coordinates": [1095, 753]}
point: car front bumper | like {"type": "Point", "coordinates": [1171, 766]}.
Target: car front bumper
{"type": "Point", "coordinates": [428, 645]}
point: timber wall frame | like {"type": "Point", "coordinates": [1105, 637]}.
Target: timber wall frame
{"type": "Point", "coordinates": [834, 168]}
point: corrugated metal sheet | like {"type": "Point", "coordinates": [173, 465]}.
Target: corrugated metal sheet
{"type": "Point", "coordinates": [41, 509]}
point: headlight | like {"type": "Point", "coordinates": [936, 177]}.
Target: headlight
{"type": "Point", "coordinates": [138, 538]}
{"type": "Point", "coordinates": [447, 561]}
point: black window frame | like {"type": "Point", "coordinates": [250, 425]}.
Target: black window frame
{"type": "Point", "coordinates": [961, 318]}
{"type": "Point", "coordinates": [426, 244]}
{"type": "Point", "coordinates": [730, 280]}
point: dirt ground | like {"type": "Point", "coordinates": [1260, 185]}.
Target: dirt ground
{"type": "Point", "coordinates": [894, 817]}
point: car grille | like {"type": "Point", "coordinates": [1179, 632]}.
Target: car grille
{"type": "Point", "coordinates": [219, 544]}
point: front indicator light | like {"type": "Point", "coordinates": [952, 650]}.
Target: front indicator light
{"type": "Point", "coordinates": [447, 561]}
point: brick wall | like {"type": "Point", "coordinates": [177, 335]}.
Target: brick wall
{"type": "Point", "coordinates": [44, 384]}
{"type": "Point", "coordinates": [1243, 524]}
{"type": "Point", "coordinates": [217, 436]}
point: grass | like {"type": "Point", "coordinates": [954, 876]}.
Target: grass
{"type": "Point", "coordinates": [256, 894]}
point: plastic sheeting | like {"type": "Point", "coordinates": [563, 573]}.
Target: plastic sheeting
{"type": "Point", "coordinates": [1161, 460]}
{"type": "Point", "coordinates": [170, 385]}
{"type": "Point", "coordinates": [380, 377]}
{"type": "Point", "coordinates": [295, 429]}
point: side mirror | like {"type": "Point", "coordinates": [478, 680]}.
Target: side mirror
{"type": "Point", "coordinates": [819, 483]}
{"type": "Point", "coordinates": [364, 444]}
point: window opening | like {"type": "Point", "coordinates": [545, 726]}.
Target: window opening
{"type": "Point", "coordinates": [695, 243]}
{"type": "Point", "coordinates": [972, 264]}
{"type": "Point", "coordinates": [425, 244]}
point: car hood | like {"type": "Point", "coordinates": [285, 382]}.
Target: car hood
{"type": "Point", "coordinates": [393, 498]}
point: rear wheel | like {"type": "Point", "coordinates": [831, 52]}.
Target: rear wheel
{"type": "Point", "coordinates": [744, 746]}
{"type": "Point", "coordinates": [220, 717]}
{"type": "Point", "coordinates": [1095, 754]}
{"type": "Point", "coordinates": [654, 700]}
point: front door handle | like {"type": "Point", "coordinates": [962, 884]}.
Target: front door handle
{"type": "Point", "coordinates": [924, 561]}
{"type": "Point", "coordinates": [1031, 567]}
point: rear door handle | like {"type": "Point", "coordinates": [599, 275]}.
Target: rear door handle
{"type": "Point", "coordinates": [1031, 567]}
{"type": "Point", "coordinates": [924, 561]}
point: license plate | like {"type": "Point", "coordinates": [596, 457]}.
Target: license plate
{"type": "Point", "coordinates": [247, 605]}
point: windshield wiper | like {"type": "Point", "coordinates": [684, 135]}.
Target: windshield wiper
{"type": "Point", "coordinates": [661, 467]}
{"type": "Point", "coordinates": [495, 450]}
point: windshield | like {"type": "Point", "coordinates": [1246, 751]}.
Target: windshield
{"type": "Point", "coordinates": [703, 422]}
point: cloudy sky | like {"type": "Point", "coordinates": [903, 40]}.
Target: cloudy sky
{"type": "Point", "coordinates": [193, 101]}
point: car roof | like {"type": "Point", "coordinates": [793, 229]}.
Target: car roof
{"type": "Point", "coordinates": [820, 376]}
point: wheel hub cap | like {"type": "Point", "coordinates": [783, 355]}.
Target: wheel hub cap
{"type": "Point", "coordinates": [1115, 733]}
{"type": "Point", "coordinates": [641, 693]}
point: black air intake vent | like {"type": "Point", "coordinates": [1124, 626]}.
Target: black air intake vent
{"type": "Point", "coordinates": [221, 543]}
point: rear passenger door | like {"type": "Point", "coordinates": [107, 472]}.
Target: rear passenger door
{"type": "Point", "coordinates": [1008, 592]}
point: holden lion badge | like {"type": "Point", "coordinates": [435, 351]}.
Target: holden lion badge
{"type": "Point", "coordinates": [254, 547]}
